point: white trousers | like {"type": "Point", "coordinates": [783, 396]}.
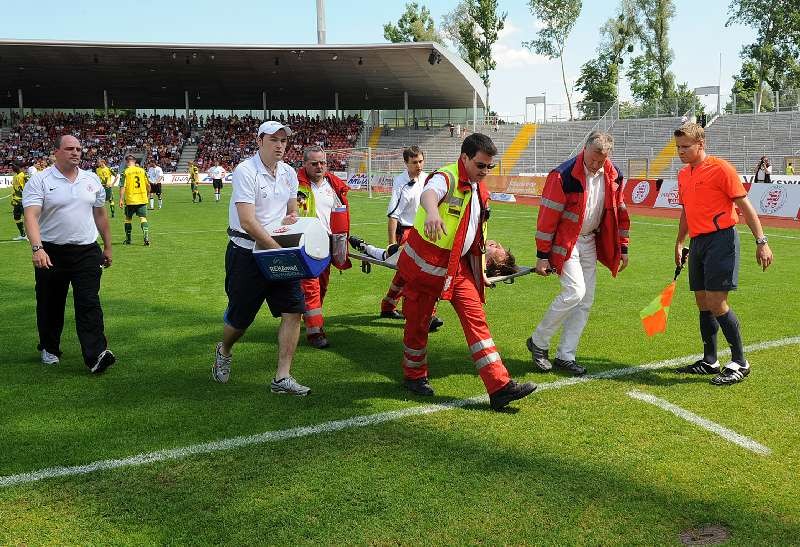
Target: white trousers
{"type": "Point", "coordinates": [571, 307]}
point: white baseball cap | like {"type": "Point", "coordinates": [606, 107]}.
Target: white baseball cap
{"type": "Point", "coordinates": [271, 127]}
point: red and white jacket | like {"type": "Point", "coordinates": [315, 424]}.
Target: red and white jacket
{"type": "Point", "coordinates": [432, 269]}
{"type": "Point", "coordinates": [561, 213]}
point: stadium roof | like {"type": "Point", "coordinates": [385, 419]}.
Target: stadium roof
{"type": "Point", "coordinates": [366, 76]}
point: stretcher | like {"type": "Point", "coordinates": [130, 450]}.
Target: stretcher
{"type": "Point", "coordinates": [367, 261]}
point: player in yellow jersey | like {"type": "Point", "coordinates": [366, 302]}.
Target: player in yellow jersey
{"type": "Point", "coordinates": [194, 181]}
{"type": "Point", "coordinates": [133, 195]}
{"type": "Point", "coordinates": [107, 178]}
{"type": "Point", "coordinates": [17, 184]}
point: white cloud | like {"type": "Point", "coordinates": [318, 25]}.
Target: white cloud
{"type": "Point", "coordinates": [516, 57]}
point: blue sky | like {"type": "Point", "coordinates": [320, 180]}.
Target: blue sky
{"type": "Point", "coordinates": [698, 34]}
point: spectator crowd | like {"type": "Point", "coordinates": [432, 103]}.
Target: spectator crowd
{"type": "Point", "coordinates": [229, 140]}
{"type": "Point", "coordinates": [160, 137]}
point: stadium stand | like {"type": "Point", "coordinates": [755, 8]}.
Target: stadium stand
{"type": "Point", "coordinates": [157, 137]}
{"type": "Point", "coordinates": [231, 139]}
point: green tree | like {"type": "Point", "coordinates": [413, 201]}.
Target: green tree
{"type": "Point", "coordinates": [478, 32]}
{"type": "Point", "coordinates": [558, 18]}
{"type": "Point", "coordinates": [644, 81]}
{"type": "Point", "coordinates": [415, 25]}
{"type": "Point", "coordinates": [596, 82]}
{"type": "Point", "coordinates": [653, 18]}
{"type": "Point", "coordinates": [777, 46]}
{"type": "Point", "coordinates": [599, 77]}
{"type": "Point", "coordinates": [449, 27]}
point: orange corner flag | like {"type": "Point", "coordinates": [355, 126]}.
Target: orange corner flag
{"type": "Point", "coordinates": [654, 316]}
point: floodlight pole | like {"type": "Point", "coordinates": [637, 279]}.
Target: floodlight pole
{"type": "Point", "coordinates": [405, 109]}
{"type": "Point", "coordinates": [369, 170]}
{"type": "Point", "coordinates": [320, 21]}
{"type": "Point", "coordinates": [474, 111]}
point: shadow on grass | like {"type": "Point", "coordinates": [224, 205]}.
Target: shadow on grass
{"type": "Point", "coordinates": [366, 486]}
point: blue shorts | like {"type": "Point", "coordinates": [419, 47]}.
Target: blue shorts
{"type": "Point", "coordinates": [247, 289]}
{"type": "Point", "coordinates": [714, 261]}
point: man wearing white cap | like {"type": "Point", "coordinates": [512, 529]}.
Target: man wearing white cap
{"type": "Point", "coordinates": [264, 192]}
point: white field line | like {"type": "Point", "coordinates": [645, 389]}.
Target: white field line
{"type": "Point", "coordinates": [339, 425]}
{"type": "Point", "coordinates": [713, 427]}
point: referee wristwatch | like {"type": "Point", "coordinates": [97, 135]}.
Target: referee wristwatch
{"type": "Point", "coordinates": [761, 240]}
{"type": "Point", "coordinates": [35, 248]}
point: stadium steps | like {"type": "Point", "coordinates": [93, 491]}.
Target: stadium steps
{"type": "Point", "coordinates": [374, 140]}
{"type": "Point", "coordinates": [514, 152]}
{"type": "Point", "coordinates": [660, 163]}
{"type": "Point", "coordinates": [189, 153]}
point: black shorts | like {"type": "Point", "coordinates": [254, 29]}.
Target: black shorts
{"type": "Point", "coordinates": [217, 184]}
{"type": "Point", "coordinates": [714, 261]}
{"type": "Point", "coordinates": [247, 289]}
{"type": "Point", "coordinates": [400, 231]}
{"type": "Point", "coordinates": [155, 188]}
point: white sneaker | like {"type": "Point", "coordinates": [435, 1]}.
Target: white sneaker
{"type": "Point", "coordinates": [221, 369]}
{"type": "Point", "coordinates": [48, 358]}
{"type": "Point", "coordinates": [289, 386]}
{"type": "Point", "coordinates": [20, 238]}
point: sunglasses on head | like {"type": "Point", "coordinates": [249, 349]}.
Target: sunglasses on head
{"type": "Point", "coordinates": [481, 165]}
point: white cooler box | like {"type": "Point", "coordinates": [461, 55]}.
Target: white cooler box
{"type": "Point", "coordinates": [304, 252]}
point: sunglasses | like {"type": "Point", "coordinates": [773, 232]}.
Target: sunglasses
{"type": "Point", "coordinates": [320, 162]}
{"type": "Point", "coordinates": [481, 165]}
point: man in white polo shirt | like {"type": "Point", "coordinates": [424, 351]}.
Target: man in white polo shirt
{"type": "Point", "coordinates": [403, 205]}
{"type": "Point", "coordinates": [264, 192]}
{"type": "Point", "coordinates": [64, 210]}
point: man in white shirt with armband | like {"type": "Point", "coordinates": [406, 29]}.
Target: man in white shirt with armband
{"type": "Point", "coordinates": [403, 205]}
{"type": "Point", "coordinates": [264, 193]}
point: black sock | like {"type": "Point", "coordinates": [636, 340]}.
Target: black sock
{"type": "Point", "coordinates": [708, 333]}
{"type": "Point", "coordinates": [729, 324]}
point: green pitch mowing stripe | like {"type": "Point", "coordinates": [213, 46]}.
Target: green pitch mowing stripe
{"type": "Point", "coordinates": [724, 432]}
{"type": "Point", "coordinates": [338, 425]}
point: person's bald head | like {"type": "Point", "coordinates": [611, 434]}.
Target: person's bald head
{"type": "Point", "coordinates": [67, 152]}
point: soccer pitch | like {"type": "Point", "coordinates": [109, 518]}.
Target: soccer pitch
{"type": "Point", "coordinates": [360, 461]}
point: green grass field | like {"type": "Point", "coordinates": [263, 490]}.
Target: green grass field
{"type": "Point", "coordinates": [583, 464]}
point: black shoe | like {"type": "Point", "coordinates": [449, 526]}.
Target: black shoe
{"type": "Point", "coordinates": [733, 373]}
{"type": "Point", "coordinates": [104, 360]}
{"type": "Point", "coordinates": [435, 324]}
{"type": "Point", "coordinates": [569, 366]}
{"type": "Point", "coordinates": [421, 386]}
{"type": "Point", "coordinates": [146, 242]}
{"type": "Point", "coordinates": [126, 242]}
{"type": "Point", "coordinates": [393, 314]}
{"type": "Point", "coordinates": [511, 392]}
{"type": "Point", "coordinates": [700, 367]}
{"type": "Point", "coordinates": [319, 341]}
{"type": "Point", "coordinates": [357, 243]}
{"type": "Point", "coordinates": [539, 356]}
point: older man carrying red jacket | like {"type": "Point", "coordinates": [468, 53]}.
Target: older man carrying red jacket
{"type": "Point", "coordinates": [582, 219]}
